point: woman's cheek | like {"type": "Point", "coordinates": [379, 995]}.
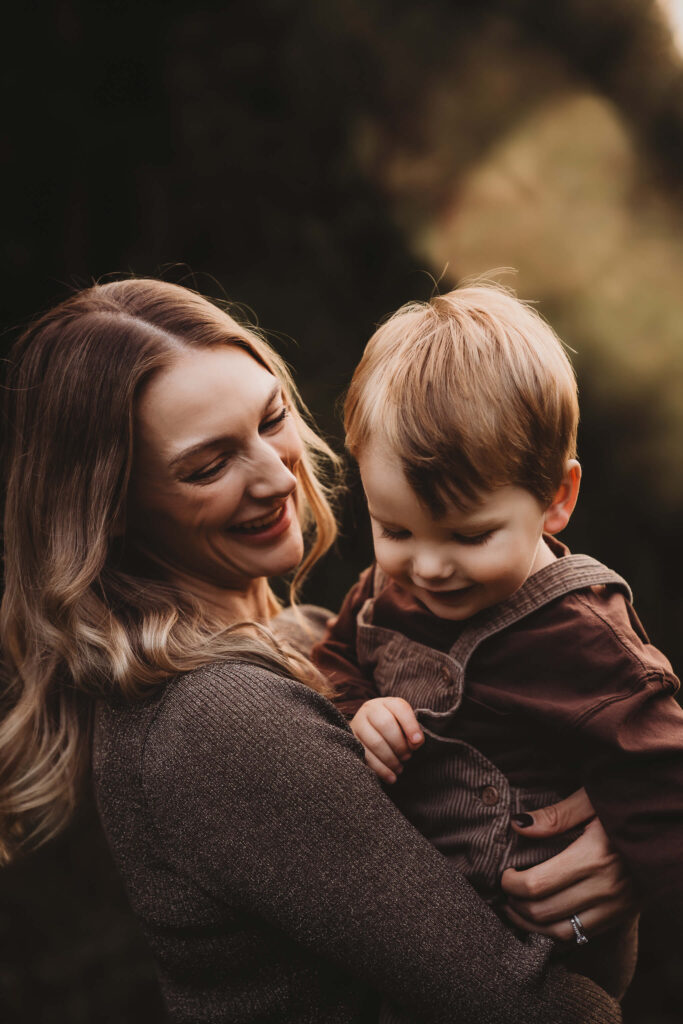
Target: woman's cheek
{"type": "Point", "coordinates": [292, 447]}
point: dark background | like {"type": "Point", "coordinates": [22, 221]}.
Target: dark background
{"type": "Point", "coordinates": [319, 164]}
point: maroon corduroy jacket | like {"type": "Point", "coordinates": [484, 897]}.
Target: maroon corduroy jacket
{"type": "Point", "coordinates": [555, 688]}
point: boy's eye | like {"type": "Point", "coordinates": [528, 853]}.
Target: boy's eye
{"type": "Point", "coordinates": [388, 534]}
{"type": "Point", "coordinates": [478, 538]}
{"type": "Point", "coordinates": [274, 422]}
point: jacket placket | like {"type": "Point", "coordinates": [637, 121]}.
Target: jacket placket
{"type": "Point", "coordinates": [449, 790]}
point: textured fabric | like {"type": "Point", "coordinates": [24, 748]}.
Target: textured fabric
{"type": "Point", "coordinates": [276, 882]}
{"type": "Point", "coordinates": [523, 703]}
{"type": "Point", "coordinates": [455, 795]}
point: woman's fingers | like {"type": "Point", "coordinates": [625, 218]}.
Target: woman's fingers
{"type": "Point", "coordinates": [546, 878]}
{"type": "Point", "coordinates": [593, 921]}
{"type": "Point", "coordinates": [586, 878]}
{"type": "Point", "coordinates": [590, 854]}
{"type": "Point", "coordinates": [556, 818]}
{"type": "Point", "coordinates": [573, 900]}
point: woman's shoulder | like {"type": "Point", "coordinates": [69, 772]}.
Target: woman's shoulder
{"type": "Point", "coordinates": [239, 723]}
{"type": "Point", "coordinates": [211, 703]}
{"type": "Point", "coordinates": [232, 688]}
{"type": "Point", "coordinates": [237, 704]}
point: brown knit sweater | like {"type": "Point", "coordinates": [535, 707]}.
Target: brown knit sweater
{"type": "Point", "coordinates": [276, 882]}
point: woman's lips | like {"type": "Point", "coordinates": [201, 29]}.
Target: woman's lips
{"type": "Point", "coordinates": [263, 529]}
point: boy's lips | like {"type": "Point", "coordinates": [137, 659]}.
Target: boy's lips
{"type": "Point", "coordinates": [454, 594]}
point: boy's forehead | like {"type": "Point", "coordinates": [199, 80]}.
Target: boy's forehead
{"type": "Point", "coordinates": [387, 484]}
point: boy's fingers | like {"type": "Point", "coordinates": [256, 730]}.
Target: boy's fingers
{"type": "Point", "coordinates": [373, 741]}
{"type": "Point", "coordinates": [376, 743]}
{"type": "Point", "coordinates": [382, 717]}
{"type": "Point", "coordinates": [556, 818]}
{"type": "Point", "coordinates": [379, 768]}
{"type": "Point", "coordinates": [405, 716]}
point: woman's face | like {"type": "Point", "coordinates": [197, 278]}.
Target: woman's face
{"type": "Point", "coordinates": [213, 489]}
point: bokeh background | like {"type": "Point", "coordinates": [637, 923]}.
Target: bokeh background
{"type": "Point", "coordinates": [319, 162]}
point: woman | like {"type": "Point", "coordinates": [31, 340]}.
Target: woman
{"type": "Point", "coordinates": [157, 474]}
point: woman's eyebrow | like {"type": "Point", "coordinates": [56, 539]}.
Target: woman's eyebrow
{"type": "Point", "coordinates": [193, 449]}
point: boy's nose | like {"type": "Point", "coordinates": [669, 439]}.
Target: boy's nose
{"type": "Point", "coordinates": [429, 567]}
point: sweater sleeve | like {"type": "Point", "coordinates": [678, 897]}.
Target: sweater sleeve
{"type": "Point", "coordinates": [259, 792]}
{"type": "Point", "coordinates": [335, 655]}
{"type": "Point", "coordinates": [634, 778]}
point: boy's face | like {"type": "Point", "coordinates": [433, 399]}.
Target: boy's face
{"type": "Point", "coordinates": [462, 562]}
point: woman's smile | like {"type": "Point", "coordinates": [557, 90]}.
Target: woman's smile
{"type": "Point", "coordinates": [214, 480]}
{"type": "Point", "coordinates": [266, 528]}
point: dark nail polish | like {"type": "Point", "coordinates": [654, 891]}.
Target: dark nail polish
{"type": "Point", "coordinates": [523, 820]}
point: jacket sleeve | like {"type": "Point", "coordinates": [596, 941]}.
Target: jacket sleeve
{"type": "Point", "coordinates": [634, 778]}
{"type": "Point", "coordinates": [259, 792]}
{"type": "Point", "coordinates": [336, 657]}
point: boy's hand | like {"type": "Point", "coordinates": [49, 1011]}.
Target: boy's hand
{"type": "Point", "coordinates": [389, 731]}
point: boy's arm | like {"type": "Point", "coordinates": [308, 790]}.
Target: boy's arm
{"type": "Point", "coordinates": [634, 778]}
{"type": "Point", "coordinates": [335, 655]}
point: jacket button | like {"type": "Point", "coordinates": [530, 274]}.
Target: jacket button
{"type": "Point", "coordinates": [445, 674]}
{"type": "Point", "coordinates": [490, 796]}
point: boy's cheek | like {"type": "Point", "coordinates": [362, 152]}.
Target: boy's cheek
{"type": "Point", "coordinates": [387, 560]}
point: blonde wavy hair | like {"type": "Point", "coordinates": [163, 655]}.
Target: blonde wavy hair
{"type": "Point", "coordinates": [81, 616]}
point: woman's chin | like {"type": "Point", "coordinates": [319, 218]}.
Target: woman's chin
{"type": "Point", "coordinates": [292, 554]}
{"type": "Point", "coordinates": [283, 557]}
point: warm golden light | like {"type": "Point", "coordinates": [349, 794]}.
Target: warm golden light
{"type": "Point", "coordinates": [674, 12]}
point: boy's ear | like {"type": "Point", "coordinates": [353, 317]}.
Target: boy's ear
{"type": "Point", "coordinates": [559, 512]}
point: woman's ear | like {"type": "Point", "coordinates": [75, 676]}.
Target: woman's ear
{"type": "Point", "coordinates": [559, 512]}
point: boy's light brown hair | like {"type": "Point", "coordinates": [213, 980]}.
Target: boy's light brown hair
{"type": "Point", "coordinates": [473, 391]}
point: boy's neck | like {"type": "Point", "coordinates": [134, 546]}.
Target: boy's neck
{"type": "Point", "coordinates": [544, 556]}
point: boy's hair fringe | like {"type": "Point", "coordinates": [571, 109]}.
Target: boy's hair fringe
{"type": "Point", "coordinates": [473, 390]}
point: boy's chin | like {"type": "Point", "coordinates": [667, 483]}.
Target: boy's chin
{"type": "Point", "coordinates": [454, 605]}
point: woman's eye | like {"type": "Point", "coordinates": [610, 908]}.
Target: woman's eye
{"type": "Point", "coordinates": [275, 421]}
{"type": "Point", "coordinates": [207, 473]}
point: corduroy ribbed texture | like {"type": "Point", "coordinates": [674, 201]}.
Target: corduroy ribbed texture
{"type": "Point", "coordinates": [276, 882]}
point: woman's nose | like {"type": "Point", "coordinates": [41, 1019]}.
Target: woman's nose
{"type": "Point", "coordinates": [270, 477]}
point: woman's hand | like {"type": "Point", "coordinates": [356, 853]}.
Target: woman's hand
{"type": "Point", "coordinates": [389, 731]}
{"type": "Point", "coordinates": [587, 878]}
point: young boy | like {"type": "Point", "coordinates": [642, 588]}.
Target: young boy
{"type": "Point", "coordinates": [523, 672]}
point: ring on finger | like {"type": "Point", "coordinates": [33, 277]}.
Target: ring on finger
{"type": "Point", "coordinates": [579, 934]}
